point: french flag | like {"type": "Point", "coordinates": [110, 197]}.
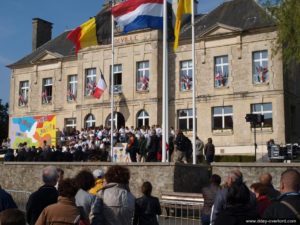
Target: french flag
{"type": "Point", "coordinates": [139, 14]}
{"type": "Point", "coordinates": [100, 88]}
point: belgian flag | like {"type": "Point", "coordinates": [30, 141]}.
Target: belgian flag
{"type": "Point", "coordinates": [95, 31]}
{"type": "Point", "coordinates": [184, 7]}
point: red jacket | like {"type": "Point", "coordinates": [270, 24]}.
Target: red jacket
{"type": "Point", "coordinates": [263, 202]}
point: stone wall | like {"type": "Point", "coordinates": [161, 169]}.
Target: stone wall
{"type": "Point", "coordinates": [165, 177]}
{"type": "Point", "coordinates": [252, 171]}
{"type": "Point", "coordinates": [27, 176]}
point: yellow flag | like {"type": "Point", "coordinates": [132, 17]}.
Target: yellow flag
{"type": "Point", "coordinates": [184, 7]}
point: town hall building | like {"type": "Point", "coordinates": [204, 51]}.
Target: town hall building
{"type": "Point", "coordinates": [237, 73]}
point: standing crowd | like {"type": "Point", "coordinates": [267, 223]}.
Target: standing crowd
{"type": "Point", "coordinates": [89, 198]}
{"type": "Point", "coordinates": [93, 144]}
{"type": "Point", "coordinates": [98, 198]}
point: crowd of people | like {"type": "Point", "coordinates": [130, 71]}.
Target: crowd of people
{"type": "Point", "coordinates": [98, 198]}
{"type": "Point", "coordinates": [88, 198]}
{"type": "Point", "coordinates": [93, 144]}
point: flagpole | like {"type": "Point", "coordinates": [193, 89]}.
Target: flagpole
{"type": "Point", "coordinates": [165, 74]}
{"type": "Point", "coordinates": [194, 82]}
{"type": "Point", "coordinates": [112, 88]}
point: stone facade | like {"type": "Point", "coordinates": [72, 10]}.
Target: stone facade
{"type": "Point", "coordinates": [241, 94]}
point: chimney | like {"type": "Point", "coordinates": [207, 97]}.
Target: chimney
{"type": "Point", "coordinates": [41, 32]}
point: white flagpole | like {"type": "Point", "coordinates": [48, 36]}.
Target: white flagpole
{"type": "Point", "coordinates": [112, 87]}
{"type": "Point", "coordinates": [194, 82]}
{"type": "Point", "coordinates": [165, 78]}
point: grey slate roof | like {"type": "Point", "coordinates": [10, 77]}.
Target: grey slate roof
{"type": "Point", "coordinates": [241, 14]}
{"type": "Point", "coordinates": [60, 45]}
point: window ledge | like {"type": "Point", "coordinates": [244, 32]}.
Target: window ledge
{"type": "Point", "coordinates": [263, 130]}
{"type": "Point", "coordinates": [225, 132]}
{"type": "Point", "coordinates": [142, 92]}
{"type": "Point", "coordinates": [23, 106]}
{"type": "Point", "coordinates": [261, 84]}
{"type": "Point", "coordinates": [222, 87]}
{"type": "Point", "coordinates": [185, 91]}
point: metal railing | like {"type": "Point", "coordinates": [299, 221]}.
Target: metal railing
{"type": "Point", "coordinates": [20, 198]}
{"type": "Point", "coordinates": [181, 209]}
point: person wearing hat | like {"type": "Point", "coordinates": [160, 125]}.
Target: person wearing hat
{"type": "Point", "coordinates": [98, 174]}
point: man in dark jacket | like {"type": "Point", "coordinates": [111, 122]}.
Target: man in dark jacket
{"type": "Point", "coordinates": [6, 201]}
{"type": "Point", "coordinates": [288, 203]}
{"type": "Point", "coordinates": [44, 196]}
{"type": "Point", "coordinates": [153, 147]}
{"type": "Point", "coordinates": [209, 151]}
{"type": "Point", "coordinates": [147, 207]}
{"type": "Point", "coordinates": [266, 179]}
{"type": "Point", "coordinates": [181, 143]}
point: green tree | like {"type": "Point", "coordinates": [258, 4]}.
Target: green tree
{"type": "Point", "coordinates": [287, 14]}
{"type": "Point", "coordinates": [4, 120]}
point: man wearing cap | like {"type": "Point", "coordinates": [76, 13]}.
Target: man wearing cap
{"type": "Point", "coordinates": [98, 174]}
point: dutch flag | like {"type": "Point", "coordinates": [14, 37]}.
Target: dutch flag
{"type": "Point", "coordinates": [139, 14]}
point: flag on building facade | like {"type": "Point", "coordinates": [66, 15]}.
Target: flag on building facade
{"type": "Point", "coordinates": [84, 35]}
{"type": "Point", "coordinates": [100, 88]}
{"type": "Point", "coordinates": [139, 14]}
{"type": "Point", "coordinates": [184, 7]}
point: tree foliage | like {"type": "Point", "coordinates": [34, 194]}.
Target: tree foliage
{"type": "Point", "coordinates": [287, 14]}
{"type": "Point", "coordinates": [4, 120]}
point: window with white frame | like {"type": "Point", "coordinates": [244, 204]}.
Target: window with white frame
{"type": "Point", "coordinates": [90, 81]}
{"type": "Point", "coordinates": [185, 119]}
{"type": "Point", "coordinates": [221, 71]}
{"type": "Point", "coordinates": [47, 91]}
{"type": "Point", "coordinates": [70, 125]}
{"type": "Point", "coordinates": [142, 76]}
{"type": "Point", "coordinates": [90, 121]}
{"type": "Point", "coordinates": [72, 88]}
{"type": "Point", "coordinates": [186, 75]}
{"type": "Point", "coordinates": [264, 109]}
{"type": "Point", "coordinates": [142, 119]}
{"type": "Point", "coordinates": [222, 118]}
{"type": "Point", "coordinates": [117, 78]}
{"type": "Point", "coordinates": [23, 93]}
{"type": "Point", "coordinates": [260, 67]}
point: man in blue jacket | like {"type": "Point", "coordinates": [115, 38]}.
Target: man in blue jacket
{"type": "Point", "coordinates": [6, 201]}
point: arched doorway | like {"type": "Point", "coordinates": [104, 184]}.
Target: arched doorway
{"type": "Point", "coordinates": [118, 119]}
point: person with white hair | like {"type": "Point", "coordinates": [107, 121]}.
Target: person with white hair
{"type": "Point", "coordinates": [44, 196]}
{"type": "Point", "coordinates": [234, 177]}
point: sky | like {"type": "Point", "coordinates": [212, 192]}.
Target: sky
{"type": "Point", "coordinates": [16, 26]}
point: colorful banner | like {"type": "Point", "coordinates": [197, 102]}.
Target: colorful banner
{"type": "Point", "coordinates": [34, 130]}
{"type": "Point", "coordinates": [120, 155]}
